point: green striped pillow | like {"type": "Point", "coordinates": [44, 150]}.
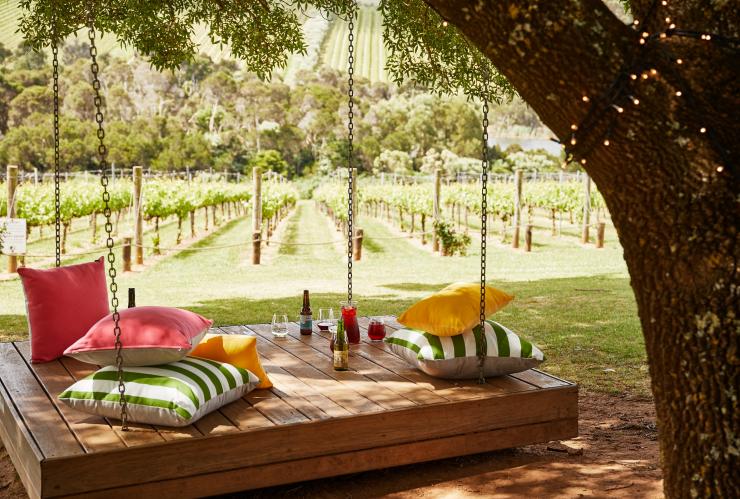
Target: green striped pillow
{"type": "Point", "coordinates": [455, 357]}
{"type": "Point", "coordinates": [175, 394]}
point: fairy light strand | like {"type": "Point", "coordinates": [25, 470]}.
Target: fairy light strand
{"type": "Point", "coordinates": [619, 89]}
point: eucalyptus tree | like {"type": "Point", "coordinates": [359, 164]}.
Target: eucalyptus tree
{"type": "Point", "coordinates": [653, 122]}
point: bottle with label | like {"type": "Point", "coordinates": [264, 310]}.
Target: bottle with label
{"type": "Point", "coordinates": [306, 321]}
{"type": "Point", "coordinates": [340, 347]}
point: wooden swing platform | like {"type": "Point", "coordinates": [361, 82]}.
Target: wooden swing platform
{"type": "Point", "coordinates": [314, 423]}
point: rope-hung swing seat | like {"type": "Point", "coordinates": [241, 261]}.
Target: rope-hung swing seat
{"type": "Point", "coordinates": [198, 424]}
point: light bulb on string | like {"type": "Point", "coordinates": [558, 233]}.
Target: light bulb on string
{"type": "Point", "coordinates": [644, 76]}
{"type": "Point", "coordinates": [606, 142]}
{"type": "Point", "coordinates": [619, 109]}
{"type": "Point", "coordinates": [635, 100]}
{"type": "Point", "coordinates": [633, 76]}
{"type": "Point", "coordinates": [574, 127]}
{"type": "Point", "coordinates": [445, 23]}
{"type": "Point", "coordinates": [585, 98]}
{"type": "Point", "coordinates": [679, 61]}
{"type": "Point", "coordinates": [672, 26]}
{"type": "Point", "coordinates": [702, 130]}
{"type": "Point", "coordinates": [653, 71]}
{"type": "Point", "coordinates": [583, 161]}
{"type": "Point", "coordinates": [679, 93]}
{"type": "Point", "coordinates": [720, 168]}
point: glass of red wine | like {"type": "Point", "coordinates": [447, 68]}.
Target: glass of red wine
{"type": "Point", "coordinates": [376, 330]}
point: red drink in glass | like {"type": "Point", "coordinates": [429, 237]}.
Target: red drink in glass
{"type": "Point", "coordinates": [376, 330]}
{"type": "Point", "coordinates": [349, 316]}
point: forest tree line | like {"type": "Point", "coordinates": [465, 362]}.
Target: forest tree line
{"type": "Point", "coordinates": [215, 115]}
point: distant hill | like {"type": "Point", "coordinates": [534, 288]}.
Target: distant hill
{"type": "Point", "coordinates": [326, 39]}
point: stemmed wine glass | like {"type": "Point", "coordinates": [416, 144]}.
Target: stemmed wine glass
{"type": "Point", "coordinates": [326, 318]}
{"type": "Point", "coordinates": [279, 327]}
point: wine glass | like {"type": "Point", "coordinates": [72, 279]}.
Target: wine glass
{"type": "Point", "coordinates": [279, 327]}
{"type": "Point", "coordinates": [326, 318]}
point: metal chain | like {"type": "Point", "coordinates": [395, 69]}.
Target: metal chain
{"type": "Point", "coordinates": [483, 232]}
{"type": "Point", "coordinates": [57, 201]}
{"type": "Point", "coordinates": [103, 153]}
{"type": "Point", "coordinates": [350, 148]}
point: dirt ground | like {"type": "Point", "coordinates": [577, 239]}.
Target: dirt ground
{"type": "Point", "coordinates": [616, 455]}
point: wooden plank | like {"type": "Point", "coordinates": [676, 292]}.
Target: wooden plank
{"type": "Point", "coordinates": [540, 379]}
{"type": "Point", "coordinates": [274, 408]}
{"type": "Point", "coordinates": [316, 379]}
{"type": "Point", "coordinates": [44, 422]}
{"type": "Point", "coordinates": [174, 460]}
{"type": "Point", "coordinates": [23, 450]}
{"type": "Point", "coordinates": [93, 432]}
{"type": "Point", "coordinates": [375, 392]}
{"type": "Point", "coordinates": [367, 367]}
{"type": "Point", "coordinates": [295, 392]}
{"type": "Point", "coordinates": [137, 434]}
{"type": "Point", "coordinates": [350, 462]}
{"type": "Point", "coordinates": [244, 416]}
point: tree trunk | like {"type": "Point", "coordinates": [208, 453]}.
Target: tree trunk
{"type": "Point", "coordinates": [192, 223]}
{"type": "Point", "coordinates": [672, 190]}
{"type": "Point", "coordinates": [179, 229]}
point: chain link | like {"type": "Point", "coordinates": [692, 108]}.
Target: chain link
{"type": "Point", "coordinates": [350, 147]}
{"type": "Point", "coordinates": [103, 154]}
{"type": "Point", "coordinates": [57, 201]}
{"type": "Point", "coordinates": [483, 233]}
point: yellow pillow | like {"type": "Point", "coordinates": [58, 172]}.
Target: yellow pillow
{"type": "Point", "coordinates": [236, 349]}
{"type": "Point", "coordinates": [453, 310]}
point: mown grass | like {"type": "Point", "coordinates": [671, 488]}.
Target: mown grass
{"type": "Point", "coordinates": [574, 302]}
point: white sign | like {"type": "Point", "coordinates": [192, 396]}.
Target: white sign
{"type": "Point", "coordinates": [13, 236]}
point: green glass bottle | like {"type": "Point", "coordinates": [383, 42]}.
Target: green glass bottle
{"type": "Point", "coordinates": [341, 348]}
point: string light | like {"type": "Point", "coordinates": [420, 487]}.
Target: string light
{"type": "Point", "coordinates": [638, 73]}
{"type": "Point", "coordinates": [445, 23]}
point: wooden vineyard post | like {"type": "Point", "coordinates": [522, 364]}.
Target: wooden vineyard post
{"type": "Point", "coordinates": [586, 209]}
{"type": "Point", "coordinates": [517, 207]}
{"type": "Point", "coordinates": [12, 184]}
{"type": "Point", "coordinates": [600, 235]}
{"type": "Point", "coordinates": [138, 221]}
{"type": "Point", "coordinates": [528, 239]}
{"type": "Point", "coordinates": [127, 254]}
{"type": "Point", "coordinates": [357, 244]}
{"type": "Point", "coordinates": [256, 215]}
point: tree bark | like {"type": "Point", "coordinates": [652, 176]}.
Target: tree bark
{"type": "Point", "coordinates": [671, 189]}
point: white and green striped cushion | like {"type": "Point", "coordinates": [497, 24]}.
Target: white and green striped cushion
{"type": "Point", "coordinates": [175, 394]}
{"type": "Point", "coordinates": [455, 357]}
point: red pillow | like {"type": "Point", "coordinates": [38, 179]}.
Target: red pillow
{"type": "Point", "coordinates": [62, 303]}
{"type": "Point", "coordinates": [149, 335]}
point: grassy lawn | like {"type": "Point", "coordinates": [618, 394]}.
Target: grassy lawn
{"type": "Point", "coordinates": [574, 302]}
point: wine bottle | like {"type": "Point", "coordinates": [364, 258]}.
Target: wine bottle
{"type": "Point", "coordinates": [341, 348]}
{"type": "Point", "coordinates": [306, 315]}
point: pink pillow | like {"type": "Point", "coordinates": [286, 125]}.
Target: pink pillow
{"type": "Point", "coordinates": [62, 303]}
{"type": "Point", "coordinates": [150, 336]}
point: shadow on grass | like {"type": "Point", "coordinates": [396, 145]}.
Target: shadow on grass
{"type": "Point", "coordinates": [232, 311]}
